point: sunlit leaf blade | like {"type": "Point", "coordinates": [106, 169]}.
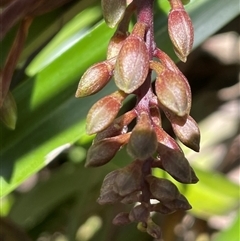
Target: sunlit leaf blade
{"type": "Point", "coordinates": [49, 114]}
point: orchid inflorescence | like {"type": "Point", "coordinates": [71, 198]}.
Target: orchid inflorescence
{"type": "Point", "coordinates": [131, 59]}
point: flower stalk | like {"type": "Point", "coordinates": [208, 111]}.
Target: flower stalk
{"type": "Point", "coordinates": [136, 56]}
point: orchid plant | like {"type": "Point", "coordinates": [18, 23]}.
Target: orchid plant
{"type": "Point", "coordinates": [132, 57]}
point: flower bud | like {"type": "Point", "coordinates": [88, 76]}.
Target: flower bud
{"type": "Point", "coordinates": [94, 79]}
{"type": "Point", "coordinates": [188, 133]}
{"type": "Point", "coordinates": [103, 112]}
{"type": "Point", "coordinates": [139, 213]}
{"type": "Point", "coordinates": [143, 140]}
{"type": "Point", "coordinates": [154, 230]}
{"type": "Point", "coordinates": [115, 44]}
{"type": "Point", "coordinates": [165, 139]}
{"type": "Point", "coordinates": [180, 203]}
{"type": "Point", "coordinates": [173, 93]}
{"type": "Point", "coordinates": [132, 198]}
{"type": "Point", "coordinates": [132, 65]}
{"type": "Point", "coordinates": [174, 162]}
{"type": "Point", "coordinates": [121, 219]}
{"type": "Point", "coordinates": [118, 126]}
{"type": "Point", "coordinates": [160, 208]}
{"type": "Point", "coordinates": [8, 112]}
{"type": "Point", "coordinates": [113, 11]}
{"type": "Point", "coordinates": [107, 195]}
{"type": "Point", "coordinates": [128, 179]}
{"type": "Point", "coordinates": [162, 189]}
{"type": "Point", "coordinates": [103, 151]}
{"type": "Point", "coordinates": [181, 32]}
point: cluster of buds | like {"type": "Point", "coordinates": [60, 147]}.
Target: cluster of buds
{"type": "Point", "coordinates": [131, 58]}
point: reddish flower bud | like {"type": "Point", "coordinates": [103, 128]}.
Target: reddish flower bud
{"type": "Point", "coordinates": [181, 32]}
{"type": "Point", "coordinates": [95, 78]}
{"type": "Point", "coordinates": [113, 11]}
{"type": "Point", "coordinates": [139, 213]}
{"type": "Point", "coordinates": [188, 133]}
{"type": "Point", "coordinates": [121, 219]}
{"type": "Point", "coordinates": [107, 195]}
{"type": "Point", "coordinates": [162, 189]}
{"type": "Point", "coordinates": [8, 112]}
{"type": "Point", "coordinates": [160, 208]}
{"type": "Point", "coordinates": [166, 139]}
{"type": "Point", "coordinates": [115, 44]}
{"type": "Point", "coordinates": [132, 65]}
{"type": "Point", "coordinates": [173, 93]}
{"type": "Point", "coordinates": [128, 179]}
{"type": "Point", "coordinates": [143, 140]}
{"type": "Point", "coordinates": [132, 198]}
{"type": "Point", "coordinates": [118, 126]}
{"type": "Point", "coordinates": [103, 151]}
{"type": "Point", "coordinates": [103, 112]}
{"type": "Point", "coordinates": [180, 203]}
{"type": "Point", "coordinates": [154, 230]}
{"type": "Point", "coordinates": [174, 162]}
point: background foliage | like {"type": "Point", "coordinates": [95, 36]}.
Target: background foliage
{"type": "Point", "coordinates": [45, 153]}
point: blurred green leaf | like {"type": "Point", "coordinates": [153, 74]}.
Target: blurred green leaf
{"type": "Point", "coordinates": [205, 198]}
{"type": "Point", "coordinates": [232, 233]}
